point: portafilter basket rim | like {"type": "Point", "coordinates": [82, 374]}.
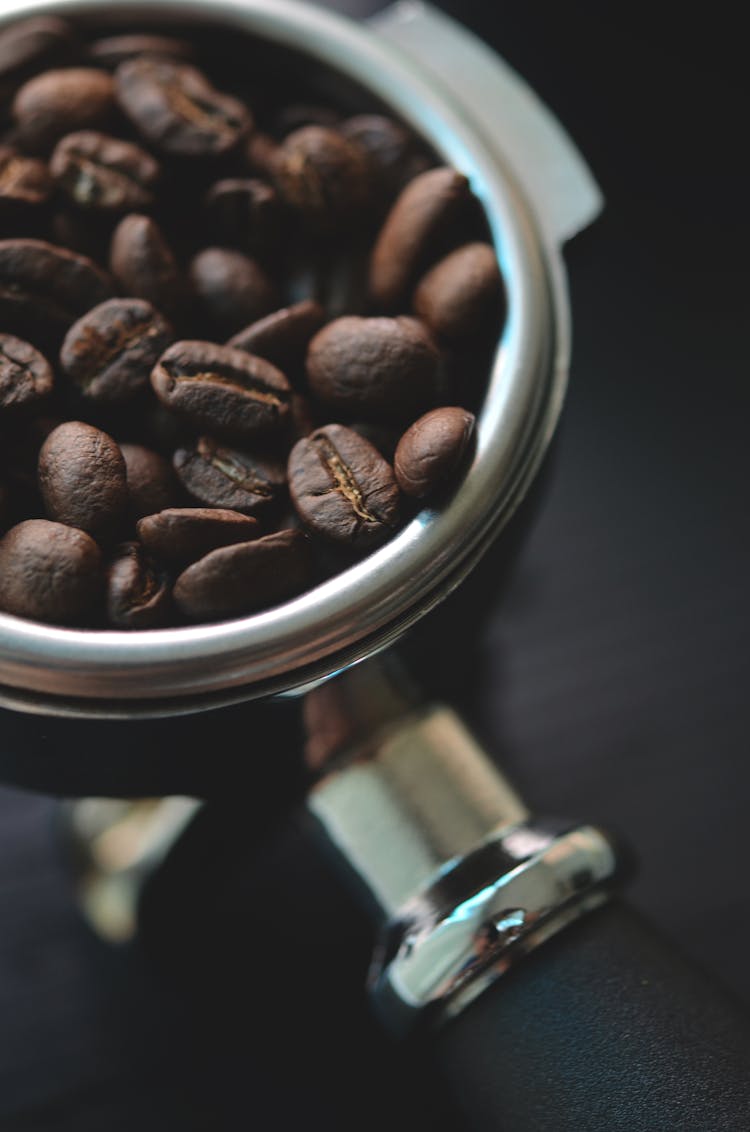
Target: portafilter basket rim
{"type": "Point", "coordinates": [57, 671]}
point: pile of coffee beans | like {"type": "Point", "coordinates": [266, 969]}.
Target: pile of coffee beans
{"type": "Point", "coordinates": [244, 333]}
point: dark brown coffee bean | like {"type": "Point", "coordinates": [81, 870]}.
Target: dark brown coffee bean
{"type": "Point", "coordinates": [374, 368]}
{"type": "Point", "coordinates": [283, 336]}
{"type": "Point", "coordinates": [56, 103]}
{"type": "Point", "coordinates": [138, 592]}
{"type": "Point", "coordinates": [245, 213]}
{"type": "Point", "coordinates": [152, 483]}
{"type": "Point", "coordinates": [145, 266]}
{"type": "Point", "coordinates": [461, 294]}
{"type": "Point", "coordinates": [50, 572]}
{"type": "Point", "coordinates": [45, 288]}
{"type": "Point", "coordinates": [26, 377]}
{"type": "Point", "coordinates": [410, 236]}
{"type": "Point", "coordinates": [232, 289]}
{"type": "Point", "coordinates": [226, 391]}
{"type": "Point", "coordinates": [177, 110]}
{"type": "Point", "coordinates": [82, 478]}
{"type": "Point", "coordinates": [33, 45]}
{"type": "Point", "coordinates": [391, 149]}
{"type": "Point", "coordinates": [323, 177]}
{"type": "Point", "coordinates": [178, 536]}
{"type": "Point", "coordinates": [215, 475]}
{"type": "Point", "coordinates": [25, 186]}
{"type": "Point", "coordinates": [102, 173]}
{"type": "Point", "coordinates": [112, 50]}
{"type": "Point", "coordinates": [342, 488]}
{"type": "Point", "coordinates": [109, 352]}
{"type": "Point", "coordinates": [249, 576]}
{"type": "Point", "coordinates": [431, 450]}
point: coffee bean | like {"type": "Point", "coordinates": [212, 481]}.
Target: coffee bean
{"type": "Point", "coordinates": [374, 368]}
{"type": "Point", "coordinates": [249, 576]}
{"type": "Point", "coordinates": [25, 187]}
{"type": "Point", "coordinates": [50, 572]}
{"type": "Point", "coordinates": [283, 336]}
{"type": "Point", "coordinates": [177, 110]}
{"type": "Point", "coordinates": [45, 288]}
{"type": "Point", "coordinates": [215, 475]}
{"type": "Point", "coordinates": [430, 452]}
{"type": "Point", "coordinates": [56, 103]}
{"type": "Point", "coordinates": [232, 289]}
{"type": "Point", "coordinates": [138, 592]}
{"type": "Point", "coordinates": [323, 177]}
{"type": "Point", "coordinates": [461, 294]}
{"type": "Point", "coordinates": [145, 267]}
{"type": "Point", "coordinates": [82, 478]}
{"type": "Point", "coordinates": [103, 173]}
{"type": "Point", "coordinates": [112, 50]}
{"type": "Point", "coordinates": [152, 483]}
{"type": "Point", "coordinates": [391, 149]}
{"type": "Point", "coordinates": [109, 352]}
{"type": "Point", "coordinates": [26, 377]}
{"type": "Point", "coordinates": [226, 391]}
{"type": "Point", "coordinates": [410, 236]}
{"type": "Point", "coordinates": [342, 488]}
{"type": "Point", "coordinates": [32, 45]}
{"type": "Point", "coordinates": [178, 536]}
{"type": "Point", "coordinates": [245, 213]}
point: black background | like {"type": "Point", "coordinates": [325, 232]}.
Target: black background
{"type": "Point", "coordinates": [611, 679]}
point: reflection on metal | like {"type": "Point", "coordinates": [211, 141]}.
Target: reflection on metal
{"type": "Point", "coordinates": [116, 845]}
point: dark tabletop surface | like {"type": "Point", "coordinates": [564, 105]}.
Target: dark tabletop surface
{"type": "Point", "coordinates": [611, 679]}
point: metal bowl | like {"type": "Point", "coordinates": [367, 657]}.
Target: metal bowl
{"type": "Point", "coordinates": [367, 607]}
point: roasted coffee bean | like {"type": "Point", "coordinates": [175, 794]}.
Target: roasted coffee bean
{"type": "Point", "coordinates": [152, 483]}
{"type": "Point", "coordinates": [231, 289]}
{"type": "Point", "coordinates": [411, 234]}
{"type": "Point", "coordinates": [177, 110]}
{"type": "Point", "coordinates": [106, 174]}
{"type": "Point", "coordinates": [225, 391]}
{"type": "Point", "coordinates": [33, 45]}
{"type": "Point", "coordinates": [391, 149]}
{"type": "Point", "coordinates": [56, 103]}
{"type": "Point", "coordinates": [215, 475]}
{"type": "Point", "coordinates": [82, 478]}
{"type": "Point", "coordinates": [431, 450]}
{"type": "Point", "coordinates": [109, 352]}
{"type": "Point", "coordinates": [178, 536]}
{"type": "Point", "coordinates": [245, 212]}
{"type": "Point", "coordinates": [322, 177]}
{"type": "Point", "coordinates": [249, 576]}
{"type": "Point", "coordinates": [50, 572]}
{"type": "Point", "coordinates": [462, 293]}
{"type": "Point", "coordinates": [145, 266]}
{"type": "Point", "coordinates": [112, 50]}
{"type": "Point", "coordinates": [25, 187]}
{"type": "Point", "coordinates": [138, 592]}
{"type": "Point", "coordinates": [283, 336]}
{"type": "Point", "coordinates": [342, 488]}
{"type": "Point", "coordinates": [26, 377]}
{"type": "Point", "coordinates": [45, 288]}
{"type": "Point", "coordinates": [374, 368]}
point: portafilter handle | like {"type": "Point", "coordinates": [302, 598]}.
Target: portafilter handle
{"type": "Point", "coordinates": [501, 939]}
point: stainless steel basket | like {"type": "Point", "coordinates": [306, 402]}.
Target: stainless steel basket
{"type": "Point", "coordinates": [536, 192]}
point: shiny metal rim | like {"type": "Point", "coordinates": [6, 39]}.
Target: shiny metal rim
{"type": "Point", "coordinates": [371, 604]}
